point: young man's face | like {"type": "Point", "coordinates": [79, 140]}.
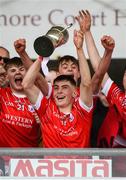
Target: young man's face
{"type": "Point", "coordinates": [15, 76]}
{"type": "Point", "coordinates": [69, 68]}
{"type": "Point", "coordinates": [63, 93]}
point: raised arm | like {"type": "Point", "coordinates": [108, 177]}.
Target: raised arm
{"type": "Point", "coordinates": [108, 43]}
{"type": "Point", "coordinates": [20, 47]}
{"type": "Point", "coordinates": [84, 20]}
{"type": "Point", "coordinates": [30, 89]}
{"type": "Point", "coordinates": [99, 76]}
{"type": "Point", "coordinates": [85, 85]}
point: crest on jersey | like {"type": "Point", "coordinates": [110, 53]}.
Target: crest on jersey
{"type": "Point", "coordinates": [31, 108]}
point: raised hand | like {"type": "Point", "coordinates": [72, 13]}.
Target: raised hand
{"type": "Point", "coordinates": [108, 42]}
{"type": "Point", "coordinates": [20, 45]}
{"type": "Point", "coordinates": [78, 39]}
{"type": "Point", "coordinates": [84, 20]}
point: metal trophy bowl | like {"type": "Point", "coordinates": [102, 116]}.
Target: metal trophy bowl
{"type": "Point", "coordinates": [56, 36]}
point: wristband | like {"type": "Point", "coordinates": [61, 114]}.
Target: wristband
{"type": "Point", "coordinates": [40, 58]}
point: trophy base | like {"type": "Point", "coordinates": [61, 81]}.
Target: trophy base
{"type": "Point", "coordinates": [43, 46]}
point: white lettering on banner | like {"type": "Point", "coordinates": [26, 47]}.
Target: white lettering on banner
{"type": "Point", "coordinates": [17, 20]}
{"type": "Point", "coordinates": [99, 18]}
{"type": "Point", "coordinates": [61, 168]}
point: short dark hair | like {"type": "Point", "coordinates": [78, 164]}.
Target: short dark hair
{"type": "Point", "coordinates": [69, 78]}
{"type": "Point", "coordinates": [13, 61]}
{"type": "Point", "coordinates": [67, 58]}
{"type": "Point", "coordinates": [52, 65]}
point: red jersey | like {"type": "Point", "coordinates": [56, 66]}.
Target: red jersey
{"type": "Point", "coordinates": [117, 97]}
{"type": "Point", "coordinates": [109, 128]}
{"type": "Point", "coordinates": [18, 125]}
{"type": "Point", "coordinates": [61, 130]}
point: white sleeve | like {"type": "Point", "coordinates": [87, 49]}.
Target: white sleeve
{"type": "Point", "coordinates": [84, 106]}
{"type": "Point", "coordinates": [40, 97]}
{"type": "Point", "coordinates": [38, 102]}
{"type": "Point", "coordinates": [107, 86]}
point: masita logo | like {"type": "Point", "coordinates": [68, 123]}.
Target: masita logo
{"type": "Point", "coordinates": [60, 168]}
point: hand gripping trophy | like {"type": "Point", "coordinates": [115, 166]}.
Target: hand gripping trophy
{"type": "Point", "coordinates": [56, 36]}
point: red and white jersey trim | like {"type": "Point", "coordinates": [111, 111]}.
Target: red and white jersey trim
{"type": "Point", "coordinates": [107, 86]}
{"type": "Point", "coordinates": [40, 97]}
{"type": "Point", "coordinates": [38, 102]}
{"type": "Point", "coordinates": [84, 106]}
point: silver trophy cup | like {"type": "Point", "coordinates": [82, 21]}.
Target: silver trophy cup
{"type": "Point", "coordinates": [56, 36]}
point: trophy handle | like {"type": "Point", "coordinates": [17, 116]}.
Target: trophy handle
{"type": "Point", "coordinates": [67, 27]}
